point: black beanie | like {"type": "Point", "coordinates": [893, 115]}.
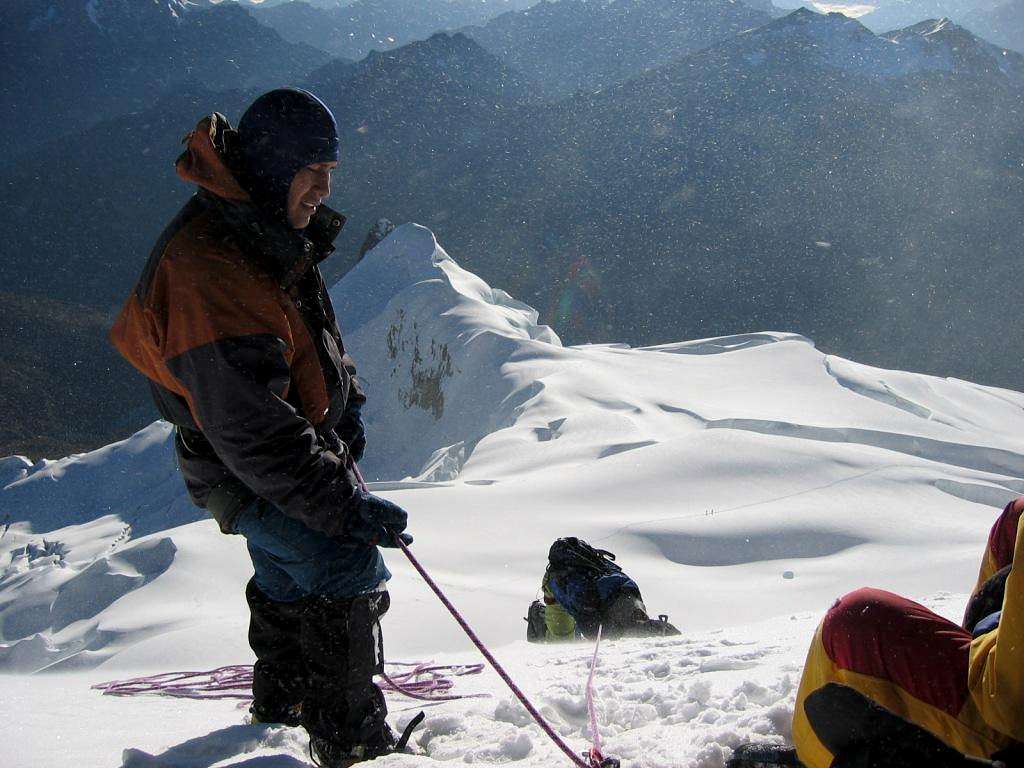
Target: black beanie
{"type": "Point", "coordinates": [280, 133]}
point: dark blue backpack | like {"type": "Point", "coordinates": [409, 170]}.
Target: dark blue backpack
{"type": "Point", "coordinates": [584, 579]}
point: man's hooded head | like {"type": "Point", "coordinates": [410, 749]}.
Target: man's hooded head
{"type": "Point", "coordinates": [280, 133]}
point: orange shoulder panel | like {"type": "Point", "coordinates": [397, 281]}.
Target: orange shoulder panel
{"type": "Point", "coordinates": [200, 294]}
{"type": "Point", "coordinates": [135, 335]}
{"type": "Point", "coordinates": [208, 292]}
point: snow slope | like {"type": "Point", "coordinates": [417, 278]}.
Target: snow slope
{"type": "Point", "coordinates": [744, 482]}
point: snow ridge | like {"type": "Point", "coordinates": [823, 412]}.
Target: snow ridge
{"type": "Point", "coordinates": [743, 481]}
{"type": "Point", "coordinates": [438, 323]}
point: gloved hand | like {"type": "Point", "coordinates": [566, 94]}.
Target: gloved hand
{"type": "Point", "coordinates": [352, 432]}
{"type": "Point", "coordinates": [374, 520]}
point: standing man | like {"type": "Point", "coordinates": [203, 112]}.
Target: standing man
{"type": "Point", "coordinates": [232, 324]}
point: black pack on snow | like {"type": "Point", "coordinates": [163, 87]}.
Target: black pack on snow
{"type": "Point", "coordinates": [586, 582]}
{"type": "Point", "coordinates": [536, 628]}
{"type": "Point", "coordinates": [572, 554]}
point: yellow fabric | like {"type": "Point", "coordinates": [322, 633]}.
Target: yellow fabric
{"type": "Point", "coordinates": [558, 623]}
{"type": "Point", "coordinates": [991, 717]}
{"type": "Point", "coordinates": [967, 732]}
{"type": "Point", "coordinates": [988, 570]}
{"type": "Point", "coordinates": [996, 672]}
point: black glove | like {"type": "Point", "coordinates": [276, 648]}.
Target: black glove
{"type": "Point", "coordinates": [376, 521]}
{"type": "Point", "coordinates": [352, 432]}
{"type": "Point", "coordinates": [987, 600]}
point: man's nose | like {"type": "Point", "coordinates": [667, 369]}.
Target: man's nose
{"type": "Point", "coordinates": [323, 184]}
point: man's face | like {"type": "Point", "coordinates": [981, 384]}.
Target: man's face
{"type": "Point", "coordinates": [310, 187]}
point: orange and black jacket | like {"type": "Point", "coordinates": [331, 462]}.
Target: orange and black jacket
{"type": "Point", "coordinates": [232, 324]}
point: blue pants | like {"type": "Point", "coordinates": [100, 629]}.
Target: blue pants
{"type": "Point", "coordinates": [292, 561]}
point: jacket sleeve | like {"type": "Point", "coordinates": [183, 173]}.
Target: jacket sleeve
{"type": "Point", "coordinates": [356, 395]}
{"type": "Point", "coordinates": [350, 425]}
{"type": "Point", "coordinates": [996, 673]}
{"type": "Point", "coordinates": [228, 344]}
{"type": "Point", "coordinates": [1001, 540]}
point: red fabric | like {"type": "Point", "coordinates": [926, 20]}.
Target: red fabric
{"type": "Point", "coordinates": [1003, 537]}
{"type": "Point", "coordinates": [876, 633]}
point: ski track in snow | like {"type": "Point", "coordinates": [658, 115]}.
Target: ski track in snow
{"type": "Point", "coordinates": [745, 482]}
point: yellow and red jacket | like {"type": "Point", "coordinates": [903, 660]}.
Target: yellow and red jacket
{"type": "Point", "coordinates": [996, 669]}
{"type": "Point", "coordinates": [232, 324]}
{"type": "Point", "coordinates": [981, 679]}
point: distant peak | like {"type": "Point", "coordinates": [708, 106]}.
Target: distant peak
{"type": "Point", "coordinates": [933, 31]}
{"type": "Point", "coordinates": [930, 27]}
{"type": "Point", "coordinates": [802, 14]}
{"type": "Point", "coordinates": [822, 23]}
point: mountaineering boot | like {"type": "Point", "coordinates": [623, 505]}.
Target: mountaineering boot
{"type": "Point", "coordinates": [292, 717]}
{"type": "Point", "coordinates": [627, 616]}
{"type": "Point", "coordinates": [660, 627]}
{"type": "Point", "coordinates": [763, 756]}
{"type": "Point", "coordinates": [328, 753]}
{"type": "Point", "coordinates": [334, 753]}
{"type": "Point", "coordinates": [344, 711]}
{"type": "Point", "coordinates": [279, 674]}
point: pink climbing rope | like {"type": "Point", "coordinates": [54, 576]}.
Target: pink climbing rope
{"type": "Point", "coordinates": [576, 759]}
{"type": "Point", "coordinates": [596, 757]}
{"type": "Point", "coordinates": [422, 681]}
{"type": "Point", "coordinates": [231, 682]}
{"type": "Point", "coordinates": [427, 682]}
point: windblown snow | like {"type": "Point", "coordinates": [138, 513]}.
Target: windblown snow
{"type": "Point", "coordinates": [745, 482]}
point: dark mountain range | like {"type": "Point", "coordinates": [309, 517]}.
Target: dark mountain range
{"type": "Point", "coordinates": [102, 197]}
{"type": "Point", "coordinates": [806, 175]}
{"type": "Point", "coordinates": [353, 30]}
{"type": "Point", "coordinates": [998, 21]}
{"type": "Point", "coordinates": [118, 189]}
{"type": "Point", "coordinates": [959, 50]}
{"type": "Point", "coordinates": [583, 45]}
{"type": "Point", "coordinates": [1002, 25]}
{"type": "Point", "coordinates": [85, 210]}
{"type": "Point", "coordinates": [72, 63]}
{"type": "Point", "coordinates": [62, 388]}
{"type": "Point", "coordinates": [433, 95]}
{"type": "Point", "coordinates": [426, 114]}
{"type": "Point", "coordinates": [445, 82]}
